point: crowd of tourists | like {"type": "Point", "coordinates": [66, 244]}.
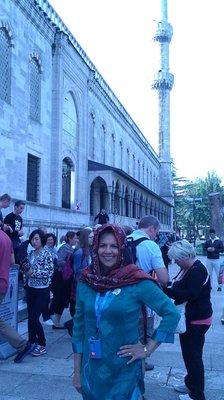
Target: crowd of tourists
{"type": "Point", "coordinates": [114, 280]}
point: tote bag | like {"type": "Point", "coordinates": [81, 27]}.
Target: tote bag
{"type": "Point", "coordinates": [181, 327]}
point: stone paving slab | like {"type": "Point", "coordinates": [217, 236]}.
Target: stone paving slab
{"type": "Point", "coordinates": [36, 387]}
{"type": "Point", "coordinates": [159, 392]}
{"type": "Point", "coordinates": [49, 377]}
{"type": "Point", "coordinates": [158, 374]}
{"type": "Point", "coordinates": [41, 365]}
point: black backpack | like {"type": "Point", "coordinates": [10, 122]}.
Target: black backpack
{"type": "Point", "coordinates": [131, 247]}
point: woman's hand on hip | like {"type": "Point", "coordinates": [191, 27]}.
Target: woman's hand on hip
{"type": "Point", "coordinates": [135, 351]}
{"type": "Point", "coordinates": [77, 381]}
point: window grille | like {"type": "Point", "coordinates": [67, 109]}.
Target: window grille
{"type": "Point", "coordinates": [5, 66]}
{"type": "Point", "coordinates": [35, 90]}
{"type": "Point", "coordinates": [66, 183]}
{"type": "Point", "coordinates": [33, 177]}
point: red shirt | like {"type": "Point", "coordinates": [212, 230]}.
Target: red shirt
{"type": "Point", "coordinates": [6, 251]}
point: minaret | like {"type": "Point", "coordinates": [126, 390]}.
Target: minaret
{"type": "Point", "coordinates": [163, 83]}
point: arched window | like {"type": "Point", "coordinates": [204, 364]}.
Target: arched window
{"type": "Point", "coordinates": [5, 65]}
{"type": "Point", "coordinates": [117, 199]}
{"type": "Point", "coordinates": [35, 89]}
{"type": "Point", "coordinates": [91, 135]}
{"type": "Point", "coordinates": [68, 183]}
{"type": "Point", "coordinates": [113, 140]}
{"type": "Point", "coordinates": [143, 173]}
{"type": "Point", "coordinates": [99, 197]}
{"type": "Point", "coordinates": [134, 205]}
{"type": "Point", "coordinates": [103, 144]}
{"type": "Point", "coordinates": [139, 171]}
{"type": "Point", "coordinates": [69, 115]}
{"type": "Point", "coordinates": [126, 203]}
{"type": "Point", "coordinates": [133, 166]}
{"type": "Point", "coordinates": [128, 161]}
{"type": "Point", "coordinates": [121, 154]}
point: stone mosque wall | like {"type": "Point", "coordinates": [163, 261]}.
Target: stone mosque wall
{"type": "Point", "coordinates": [64, 136]}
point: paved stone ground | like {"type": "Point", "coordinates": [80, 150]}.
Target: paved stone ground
{"type": "Point", "coordinates": [49, 377]}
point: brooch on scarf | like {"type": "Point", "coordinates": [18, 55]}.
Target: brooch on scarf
{"type": "Point", "coordinates": [116, 291]}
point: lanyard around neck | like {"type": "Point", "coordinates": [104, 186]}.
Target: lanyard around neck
{"type": "Point", "coordinates": [99, 307]}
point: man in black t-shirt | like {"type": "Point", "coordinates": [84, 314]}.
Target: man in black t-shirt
{"type": "Point", "coordinates": [15, 222]}
{"type": "Point", "coordinates": [102, 217]}
{"type": "Point", "coordinates": [5, 200]}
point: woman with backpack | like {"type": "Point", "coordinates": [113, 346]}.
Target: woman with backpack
{"type": "Point", "coordinates": [61, 288]}
{"type": "Point", "coordinates": [82, 254]}
{"type": "Point", "coordinates": [82, 257]}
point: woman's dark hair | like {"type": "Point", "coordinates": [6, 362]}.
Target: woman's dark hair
{"type": "Point", "coordinates": [48, 235]}
{"type": "Point", "coordinates": [69, 235]}
{"type": "Point", "coordinates": [84, 241]}
{"type": "Point", "coordinates": [40, 233]}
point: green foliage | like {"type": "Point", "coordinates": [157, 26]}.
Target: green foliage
{"type": "Point", "coordinates": [191, 201]}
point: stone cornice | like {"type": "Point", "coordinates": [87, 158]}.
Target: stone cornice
{"type": "Point", "coordinates": [104, 88]}
{"type": "Point", "coordinates": [35, 15]}
{"type": "Point", "coordinates": [99, 92]}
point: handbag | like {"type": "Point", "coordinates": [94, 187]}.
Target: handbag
{"type": "Point", "coordinates": [181, 326]}
{"type": "Point", "coordinates": [221, 275]}
{"type": "Point", "coordinates": [67, 271]}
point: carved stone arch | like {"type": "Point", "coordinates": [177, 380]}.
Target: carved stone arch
{"type": "Point", "coordinates": [112, 148]}
{"type": "Point", "coordinates": [151, 183]}
{"type": "Point", "coordinates": [71, 117]}
{"type": "Point", "coordinates": [36, 56]}
{"type": "Point", "coordinates": [102, 141]}
{"type": "Point", "coordinates": [91, 134]}
{"type": "Point", "coordinates": [139, 170]}
{"type": "Point", "coordinates": [6, 26]}
{"type": "Point", "coordinates": [92, 114]}
{"type": "Point", "coordinates": [6, 44]}
{"type": "Point", "coordinates": [35, 96]}
{"type": "Point", "coordinates": [143, 172]}
{"type": "Point", "coordinates": [99, 196]}
{"type": "Point", "coordinates": [104, 125]}
{"type": "Point", "coordinates": [147, 176]}
{"type": "Point", "coordinates": [76, 100]}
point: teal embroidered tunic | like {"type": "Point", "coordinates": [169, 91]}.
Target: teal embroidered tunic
{"type": "Point", "coordinates": [110, 378]}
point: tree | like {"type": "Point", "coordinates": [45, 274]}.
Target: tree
{"type": "Point", "coordinates": [191, 202]}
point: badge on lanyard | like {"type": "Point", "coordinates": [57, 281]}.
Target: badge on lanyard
{"type": "Point", "coordinates": [95, 345]}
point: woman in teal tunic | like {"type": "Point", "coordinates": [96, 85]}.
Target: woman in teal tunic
{"type": "Point", "coordinates": [110, 296]}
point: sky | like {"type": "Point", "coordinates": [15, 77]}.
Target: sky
{"type": "Point", "coordinates": [117, 37]}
